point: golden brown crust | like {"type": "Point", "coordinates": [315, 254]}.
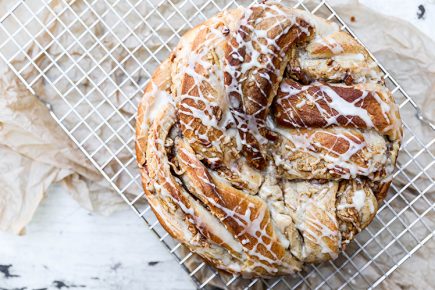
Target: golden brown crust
{"type": "Point", "coordinates": [332, 153]}
{"type": "Point", "coordinates": [256, 174]}
{"type": "Point", "coordinates": [335, 43]}
{"type": "Point", "coordinates": [218, 197]}
{"type": "Point", "coordinates": [252, 81]}
{"type": "Point", "coordinates": [321, 105]}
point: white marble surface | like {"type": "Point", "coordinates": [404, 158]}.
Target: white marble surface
{"type": "Point", "coordinates": [67, 247]}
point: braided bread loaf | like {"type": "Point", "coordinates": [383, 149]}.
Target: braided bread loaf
{"type": "Point", "coordinates": [266, 140]}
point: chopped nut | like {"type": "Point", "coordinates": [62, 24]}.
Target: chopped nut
{"type": "Point", "coordinates": [217, 112]}
{"type": "Point", "coordinates": [348, 80]}
{"type": "Point", "coordinates": [272, 136]}
{"type": "Point", "coordinates": [169, 142]}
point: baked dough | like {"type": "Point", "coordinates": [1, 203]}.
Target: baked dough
{"type": "Point", "coordinates": [266, 140]}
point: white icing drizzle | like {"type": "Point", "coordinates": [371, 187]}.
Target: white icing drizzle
{"type": "Point", "coordinates": [358, 199]}
{"type": "Point", "coordinates": [354, 57]}
{"type": "Point", "coordinates": [311, 205]}
{"type": "Point", "coordinates": [156, 101]}
{"type": "Point", "coordinates": [371, 206]}
{"type": "Point", "coordinates": [216, 115]}
{"type": "Point", "coordinates": [342, 163]}
{"type": "Point", "coordinates": [330, 43]}
{"type": "Point", "coordinates": [254, 56]}
{"type": "Point", "coordinates": [340, 106]}
{"type": "Point", "coordinates": [346, 108]}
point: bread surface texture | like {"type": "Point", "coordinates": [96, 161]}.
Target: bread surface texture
{"type": "Point", "coordinates": [266, 140]}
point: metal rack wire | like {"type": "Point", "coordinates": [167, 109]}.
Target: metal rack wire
{"type": "Point", "coordinates": [89, 62]}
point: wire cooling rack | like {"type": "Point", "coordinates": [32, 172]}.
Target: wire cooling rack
{"type": "Point", "coordinates": [89, 61]}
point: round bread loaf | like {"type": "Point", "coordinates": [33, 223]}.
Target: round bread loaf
{"type": "Point", "coordinates": [266, 140]}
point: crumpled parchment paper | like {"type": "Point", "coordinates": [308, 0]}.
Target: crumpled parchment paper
{"type": "Point", "coordinates": [36, 153]}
